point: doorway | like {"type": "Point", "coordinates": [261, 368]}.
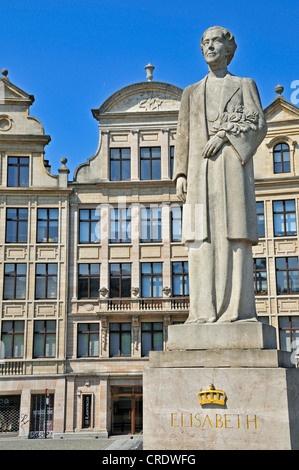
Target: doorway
{"type": "Point", "coordinates": [126, 410]}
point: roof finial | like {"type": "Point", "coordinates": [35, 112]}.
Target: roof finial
{"type": "Point", "coordinates": [279, 89]}
{"type": "Point", "coordinates": [4, 73]}
{"type": "Point", "coordinates": [149, 71]}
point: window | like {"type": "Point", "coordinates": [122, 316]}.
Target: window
{"type": "Point", "coordinates": [44, 341]}
{"type": "Point", "coordinates": [47, 225]}
{"type": "Point", "coordinates": [120, 280]}
{"type": "Point", "coordinates": [284, 214]}
{"type": "Point", "coordinates": [287, 275]}
{"type": "Point", "coordinates": [260, 218]}
{"type": "Point", "coordinates": [13, 338]}
{"type": "Point", "coordinates": [88, 340]}
{"type": "Point", "coordinates": [281, 155]}
{"type": "Point", "coordinates": [260, 276]}
{"type": "Point", "coordinates": [180, 280]}
{"type": "Point", "coordinates": [176, 224]}
{"type": "Point", "coordinates": [16, 225]}
{"type": "Point", "coordinates": [120, 164]}
{"type": "Point", "coordinates": [289, 333]}
{"type": "Point", "coordinates": [89, 226]}
{"type": "Point", "coordinates": [120, 339]}
{"type": "Point", "coordinates": [14, 281]}
{"type": "Point", "coordinates": [18, 171]}
{"type": "Point", "coordinates": [151, 337]}
{"type": "Point", "coordinates": [150, 224]}
{"type": "Point", "coordinates": [46, 281]}
{"type": "Point", "coordinates": [120, 225]}
{"type": "Point", "coordinates": [171, 160]}
{"type": "Point", "coordinates": [150, 163]}
{"type": "Point", "coordinates": [151, 279]}
{"type": "Point", "coordinates": [88, 281]}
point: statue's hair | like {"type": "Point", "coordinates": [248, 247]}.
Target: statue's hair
{"type": "Point", "coordinates": [232, 46]}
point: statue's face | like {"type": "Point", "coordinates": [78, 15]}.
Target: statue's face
{"type": "Point", "coordinates": [214, 47]}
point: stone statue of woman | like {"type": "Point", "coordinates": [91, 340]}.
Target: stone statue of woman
{"type": "Point", "coordinates": [221, 124]}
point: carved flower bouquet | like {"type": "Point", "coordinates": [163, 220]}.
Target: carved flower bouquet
{"type": "Point", "coordinates": [237, 119]}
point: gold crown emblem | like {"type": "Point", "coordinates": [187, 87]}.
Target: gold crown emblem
{"type": "Point", "coordinates": [212, 396]}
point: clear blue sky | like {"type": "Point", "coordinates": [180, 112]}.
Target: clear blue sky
{"type": "Point", "coordinates": [73, 54]}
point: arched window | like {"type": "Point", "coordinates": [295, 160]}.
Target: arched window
{"type": "Point", "coordinates": [281, 154]}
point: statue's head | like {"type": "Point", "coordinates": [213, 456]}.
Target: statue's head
{"type": "Point", "coordinates": [228, 42]}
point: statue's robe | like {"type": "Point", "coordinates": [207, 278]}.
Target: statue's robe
{"type": "Point", "coordinates": [220, 190]}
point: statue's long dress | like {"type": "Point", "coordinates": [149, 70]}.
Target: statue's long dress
{"type": "Point", "coordinates": [221, 270]}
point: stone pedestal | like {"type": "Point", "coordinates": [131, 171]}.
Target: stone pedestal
{"type": "Point", "coordinates": [255, 401]}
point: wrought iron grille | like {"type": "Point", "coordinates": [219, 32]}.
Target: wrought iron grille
{"type": "Point", "coordinates": [41, 422]}
{"type": "Point", "coordinates": [9, 413]}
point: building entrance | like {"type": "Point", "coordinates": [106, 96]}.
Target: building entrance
{"type": "Point", "coordinates": [126, 410]}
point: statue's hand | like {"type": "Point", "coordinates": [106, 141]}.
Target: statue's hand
{"type": "Point", "coordinates": [181, 188]}
{"type": "Point", "coordinates": [213, 146]}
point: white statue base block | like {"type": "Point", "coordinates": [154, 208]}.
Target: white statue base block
{"type": "Point", "coordinates": [256, 391]}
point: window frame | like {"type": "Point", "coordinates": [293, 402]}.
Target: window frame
{"type": "Point", "coordinates": [18, 165]}
{"type": "Point", "coordinates": [149, 222]}
{"type": "Point", "coordinates": [121, 277]}
{"type": "Point", "coordinates": [88, 332]}
{"type": "Point", "coordinates": [17, 219]}
{"type": "Point", "coordinates": [281, 152]}
{"type": "Point", "coordinates": [284, 212]}
{"type": "Point", "coordinates": [48, 220]}
{"type": "Point", "coordinates": [150, 276]}
{"type": "Point", "coordinates": [287, 270]}
{"type": "Point", "coordinates": [120, 333]}
{"type": "Point", "coordinates": [44, 333]}
{"type": "Point", "coordinates": [13, 334]}
{"type": "Point", "coordinates": [89, 277]}
{"type": "Point", "coordinates": [255, 276]}
{"type": "Point", "coordinates": [46, 276]}
{"type": "Point", "coordinates": [185, 276]}
{"type": "Point", "coordinates": [120, 159]}
{"type": "Point", "coordinates": [152, 332]}
{"type": "Point", "coordinates": [15, 276]}
{"type": "Point", "coordinates": [290, 328]}
{"type": "Point", "coordinates": [89, 221]}
{"type": "Point", "coordinates": [151, 158]}
{"type": "Point", "coordinates": [117, 221]}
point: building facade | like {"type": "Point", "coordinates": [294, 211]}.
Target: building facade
{"type": "Point", "coordinates": [93, 270]}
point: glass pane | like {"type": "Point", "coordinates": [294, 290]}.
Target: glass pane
{"type": "Point", "coordinates": [290, 206]}
{"type": "Point", "coordinates": [94, 345]}
{"type": "Point", "coordinates": [293, 262]}
{"type": "Point", "coordinates": [260, 263]}
{"type": "Point", "coordinates": [125, 170]}
{"type": "Point", "coordinates": [82, 345]}
{"type": "Point", "coordinates": [293, 281]}
{"type": "Point", "coordinates": [11, 231]}
{"type": "Point", "coordinates": [145, 152]}
{"type": "Point", "coordinates": [126, 287]}
{"type": "Point", "coordinates": [7, 326]}
{"type": "Point", "coordinates": [114, 344]}
{"type": "Point", "coordinates": [84, 232]}
{"type": "Point", "coordinates": [18, 346]}
{"type": "Point", "coordinates": [12, 179]}
{"type": "Point", "coordinates": [146, 268]}
{"type": "Point", "coordinates": [261, 283]}
{"type": "Point", "coordinates": [7, 340]}
{"type": "Point", "coordinates": [115, 287]}
{"type": "Point", "coordinates": [284, 322]}
{"type": "Point", "coordinates": [281, 263]}
{"type": "Point", "coordinates": [286, 167]}
{"type": "Point", "coordinates": [156, 169]}
{"type": "Point", "coordinates": [84, 214]}
{"type": "Point", "coordinates": [95, 269]}
{"type": "Point", "coordinates": [22, 233]}
{"type": "Point", "coordinates": [156, 152]}
{"type": "Point", "coordinates": [282, 287]}
{"type": "Point", "coordinates": [20, 287]}
{"type": "Point", "coordinates": [177, 285]}
{"type": "Point", "coordinates": [95, 232]}
{"type": "Point", "coordinates": [94, 287]}
{"type": "Point", "coordinates": [115, 154]}
{"type": "Point", "coordinates": [278, 206]}
{"type": "Point", "coordinates": [295, 322]}
{"type": "Point", "coordinates": [146, 344]}
{"type": "Point", "coordinates": [126, 343]}
{"type": "Point", "coordinates": [50, 345]}
{"type": "Point", "coordinates": [9, 288]}
{"type": "Point", "coordinates": [82, 288]}
{"type": "Point", "coordinates": [285, 341]}
{"type": "Point", "coordinates": [83, 269]}
{"type": "Point", "coordinates": [52, 268]}
{"type": "Point", "coordinates": [38, 350]}
{"type": "Point", "coordinates": [42, 214]}
{"type": "Point", "coordinates": [42, 231]}
{"type": "Point", "coordinates": [40, 268]}
{"type": "Point", "coordinates": [114, 170]}
{"type": "Point", "coordinates": [261, 225]}
{"type": "Point", "coordinates": [126, 326]}
{"type": "Point", "coordinates": [145, 326]}
{"type": "Point", "coordinates": [114, 326]}
{"type": "Point", "coordinates": [82, 327]}
{"type": "Point", "coordinates": [146, 287]}
{"type": "Point", "coordinates": [53, 214]}
{"type": "Point", "coordinates": [52, 288]}
{"type": "Point", "coordinates": [24, 176]}
{"type": "Point", "coordinates": [145, 170]}
{"type": "Point", "coordinates": [50, 325]}
{"type": "Point", "coordinates": [177, 267]}
{"type": "Point", "coordinates": [158, 341]}
{"type": "Point", "coordinates": [290, 224]}
{"type": "Point", "coordinates": [186, 285]}
{"type": "Point", "coordinates": [94, 327]}
{"type": "Point", "coordinates": [157, 286]}
{"type": "Point", "coordinates": [53, 231]}
{"type": "Point", "coordinates": [157, 268]}
{"type": "Point", "coordinates": [278, 225]}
